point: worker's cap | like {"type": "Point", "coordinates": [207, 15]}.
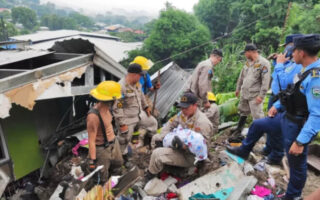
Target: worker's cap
{"type": "Point", "coordinates": [306, 41]}
{"type": "Point", "coordinates": [217, 52]}
{"type": "Point", "coordinates": [289, 38]}
{"type": "Point", "coordinates": [135, 68]}
{"type": "Point", "coordinates": [187, 99]}
{"type": "Point", "coordinates": [250, 47]}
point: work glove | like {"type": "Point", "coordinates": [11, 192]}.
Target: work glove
{"type": "Point", "coordinates": [177, 143]}
{"type": "Point", "coordinates": [92, 165]}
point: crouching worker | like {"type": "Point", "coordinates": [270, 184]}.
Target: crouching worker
{"type": "Point", "coordinates": [104, 148]}
{"type": "Point", "coordinates": [212, 112]}
{"type": "Point", "coordinates": [179, 154]}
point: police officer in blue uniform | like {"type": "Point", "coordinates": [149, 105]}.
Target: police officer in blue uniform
{"type": "Point", "coordinates": [282, 68]}
{"type": "Point", "coordinates": [285, 69]}
{"type": "Point", "coordinates": [302, 102]}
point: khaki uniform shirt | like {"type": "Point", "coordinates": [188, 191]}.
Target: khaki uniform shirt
{"type": "Point", "coordinates": [198, 123]}
{"type": "Point", "coordinates": [254, 79]}
{"type": "Point", "coordinates": [127, 110]}
{"type": "Point", "coordinates": [213, 115]}
{"type": "Point", "coordinates": [201, 78]}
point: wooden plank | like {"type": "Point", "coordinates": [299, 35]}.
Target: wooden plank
{"type": "Point", "coordinates": [314, 161]}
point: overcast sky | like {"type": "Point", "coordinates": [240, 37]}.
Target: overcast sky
{"type": "Point", "coordinates": [149, 6]}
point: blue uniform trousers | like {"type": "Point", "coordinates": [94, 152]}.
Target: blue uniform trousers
{"type": "Point", "coordinates": [272, 127]}
{"type": "Point", "coordinates": [297, 164]}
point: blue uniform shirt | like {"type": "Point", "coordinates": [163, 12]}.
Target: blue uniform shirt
{"type": "Point", "coordinates": [146, 83]}
{"type": "Point", "coordinates": [310, 87]}
{"type": "Point", "coordinates": [284, 74]}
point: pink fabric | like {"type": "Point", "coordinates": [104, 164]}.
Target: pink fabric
{"type": "Point", "coordinates": [81, 143]}
{"type": "Point", "coordinates": [261, 191]}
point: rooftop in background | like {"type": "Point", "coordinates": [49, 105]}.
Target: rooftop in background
{"type": "Point", "coordinates": [43, 36]}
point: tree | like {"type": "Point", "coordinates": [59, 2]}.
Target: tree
{"type": "Point", "coordinates": [6, 30]}
{"type": "Point", "coordinates": [25, 16]}
{"type": "Point", "coordinates": [81, 20]}
{"type": "Point", "coordinates": [221, 16]}
{"type": "Point", "coordinates": [174, 32]}
{"type": "Point", "coordinates": [55, 22]}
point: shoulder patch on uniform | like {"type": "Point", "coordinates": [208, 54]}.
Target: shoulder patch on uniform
{"type": "Point", "coordinates": [264, 69]}
{"type": "Point", "coordinates": [315, 73]}
{"type": "Point", "coordinates": [210, 71]}
{"type": "Point", "coordinates": [119, 105]}
{"type": "Point", "coordinates": [288, 69]}
{"type": "Point", "coordinates": [257, 65]}
{"type": "Point", "coordinates": [316, 92]}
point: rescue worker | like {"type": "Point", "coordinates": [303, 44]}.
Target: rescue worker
{"type": "Point", "coordinates": [145, 80]}
{"type": "Point", "coordinates": [201, 83]}
{"type": "Point", "coordinates": [190, 117]}
{"type": "Point", "coordinates": [132, 110]}
{"type": "Point", "coordinates": [280, 69]}
{"type": "Point", "coordinates": [213, 113]}
{"type": "Point", "coordinates": [104, 148]}
{"type": "Point", "coordinates": [284, 70]}
{"type": "Point", "coordinates": [146, 85]}
{"type": "Point", "coordinates": [253, 84]}
{"type": "Point", "coordinates": [302, 101]}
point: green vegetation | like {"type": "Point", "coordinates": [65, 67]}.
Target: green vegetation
{"type": "Point", "coordinates": [25, 16]}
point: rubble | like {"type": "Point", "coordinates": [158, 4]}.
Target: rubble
{"type": "Point", "coordinates": [155, 187]}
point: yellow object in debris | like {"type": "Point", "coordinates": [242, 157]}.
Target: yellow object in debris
{"type": "Point", "coordinates": [235, 144]}
{"type": "Point", "coordinates": [106, 91]}
{"type": "Point", "coordinates": [211, 96]}
{"type": "Point", "coordinates": [144, 62]}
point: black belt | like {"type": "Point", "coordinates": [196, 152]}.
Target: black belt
{"type": "Point", "coordinates": [102, 145]}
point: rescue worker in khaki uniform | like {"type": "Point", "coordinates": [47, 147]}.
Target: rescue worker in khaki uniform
{"type": "Point", "coordinates": [146, 85]}
{"type": "Point", "coordinates": [190, 117]}
{"type": "Point", "coordinates": [104, 148]}
{"type": "Point", "coordinates": [253, 84]}
{"type": "Point", "coordinates": [132, 110]}
{"type": "Point", "coordinates": [213, 112]}
{"type": "Point", "coordinates": [201, 83]}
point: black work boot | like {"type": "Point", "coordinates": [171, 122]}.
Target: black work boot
{"type": "Point", "coordinates": [241, 123]}
{"type": "Point", "coordinates": [237, 151]}
{"type": "Point", "coordinates": [145, 179]}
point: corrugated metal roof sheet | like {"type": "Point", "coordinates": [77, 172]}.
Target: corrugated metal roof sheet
{"type": "Point", "coordinates": [115, 49]}
{"type": "Point", "coordinates": [173, 82]}
{"type": "Point", "coordinates": [12, 56]}
{"type": "Point", "coordinates": [42, 36]}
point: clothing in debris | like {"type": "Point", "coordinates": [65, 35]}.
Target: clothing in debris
{"type": "Point", "coordinates": [253, 81]}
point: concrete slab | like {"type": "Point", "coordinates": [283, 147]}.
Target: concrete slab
{"type": "Point", "coordinates": [224, 177]}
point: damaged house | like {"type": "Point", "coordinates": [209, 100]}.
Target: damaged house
{"type": "Point", "coordinates": [44, 93]}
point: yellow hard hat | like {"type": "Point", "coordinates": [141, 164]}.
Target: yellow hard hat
{"type": "Point", "coordinates": [106, 91]}
{"type": "Point", "coordinates": [211, 96]}
{"type": "Point", "coordinates": [144, 62]}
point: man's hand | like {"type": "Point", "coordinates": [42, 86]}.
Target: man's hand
{"type": "Point", "coordinates": [177, 143]}
{"type": "Point", "coordinates": [92, 165]}
{"type": "Point", "coordinates": [258, 100]}
{"type": "Point", "coordinates": [237, 93]}
{"type": "Point", "coordinates": [124, 129]}
{"type": "Point", "coordinates": [295, 149]}
{"type": "Point", "coordinates": [272, 56]}
{"type": "Point", "coordinates": [207, 105]}
{"type": "Point", "coordinates": [272, 112]}
{"type": "Point", "coordinates": [157, 85]}
{"type": "Point", "coordinates": [148, 111]}
{"type": "Point", "coordinates": [281, 58]}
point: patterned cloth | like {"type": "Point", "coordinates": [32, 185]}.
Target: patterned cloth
{"type": "Point", "coordinates": [195, 142]}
